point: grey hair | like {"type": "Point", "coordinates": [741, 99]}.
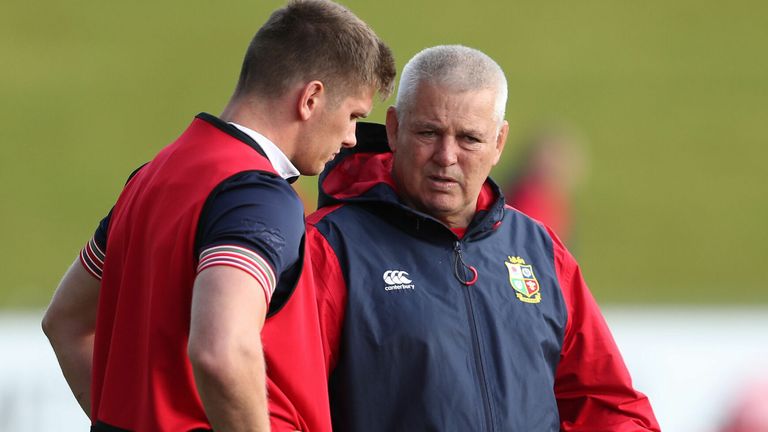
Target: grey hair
{"type": "Point", "coordinates": [457, 67]}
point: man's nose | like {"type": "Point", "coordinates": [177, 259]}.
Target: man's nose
{"type": "Point", "coordinates": [446, 151]}
{"type": "Point", "coordinates": [350, 140]}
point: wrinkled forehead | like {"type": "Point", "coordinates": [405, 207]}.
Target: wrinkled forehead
{"type": "Point", "coordinates": [441, 107]}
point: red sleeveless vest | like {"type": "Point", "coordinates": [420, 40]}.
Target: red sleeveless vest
{"type": "Point", "coordinates": [142, 377]}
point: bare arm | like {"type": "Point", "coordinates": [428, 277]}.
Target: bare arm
{"type": "Point", "coordinates": [70, 324]}
{"type": "Point", "coordinates": [228, 310]}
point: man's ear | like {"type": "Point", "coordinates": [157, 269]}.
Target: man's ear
{"type": "Point", "coordinates": [311, 95]}
{"type": "Point", "coordinates": [392, 127]}
{"type": "Point", "coordinates": [501, 139]}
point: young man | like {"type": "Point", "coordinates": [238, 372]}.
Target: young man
{"type": "Point", "coordinates": [156, 325]}
{"type": "Point", "coordinates": [439, 307]}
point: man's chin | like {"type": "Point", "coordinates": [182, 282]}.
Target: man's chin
{"type": "Point", "coordinates": [312, 170]}
{"type": "Point", "coordinates": [438, 209]}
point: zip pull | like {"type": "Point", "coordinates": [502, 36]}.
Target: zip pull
{"type": "Point", "coordinates": [459, 260]}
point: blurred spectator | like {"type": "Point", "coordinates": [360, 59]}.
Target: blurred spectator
{"type": "Point", "coordinates": [749, 413]}
{"type": "Point", "coordinates": [551, 167]}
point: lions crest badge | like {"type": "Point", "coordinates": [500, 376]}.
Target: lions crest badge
{"type": "Point", "coordinates": [523, 280]}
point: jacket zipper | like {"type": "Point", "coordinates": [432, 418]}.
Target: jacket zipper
{"type": "Point", "coordinates": [475, 340]}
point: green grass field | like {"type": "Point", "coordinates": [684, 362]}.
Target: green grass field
{"type": "Point", "coordinates": [670, 95]}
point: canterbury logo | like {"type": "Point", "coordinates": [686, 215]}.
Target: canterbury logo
{"type": "Point", "coordinates": [397, 280]}
{"type": "Point", "coordinates": [394, 277]}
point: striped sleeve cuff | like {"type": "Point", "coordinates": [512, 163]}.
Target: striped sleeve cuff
{"type": "Point", "coordinates": [92, 258]}
{"type": "Point", "coordinates": [243, 259]}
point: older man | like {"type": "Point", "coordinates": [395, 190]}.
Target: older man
{"type": "Point", "coordinates": [440, 308]}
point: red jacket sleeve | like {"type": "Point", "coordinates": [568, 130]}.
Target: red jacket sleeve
{"type": "Point", "coordinates": [301, 341]}
{"type": "Point", "coordinates": [592, 385]}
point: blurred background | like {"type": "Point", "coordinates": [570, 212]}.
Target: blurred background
{"type": "Point", "coordinates": [661, 189]}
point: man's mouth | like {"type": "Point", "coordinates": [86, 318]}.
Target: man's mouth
{"type": "Point", "coordinates": [442, 182]}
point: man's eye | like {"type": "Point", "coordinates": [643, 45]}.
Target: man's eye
{"type": "Point", "coordinates": [427, 133]}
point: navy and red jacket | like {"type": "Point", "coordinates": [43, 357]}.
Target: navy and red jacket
{"type": "Point", "coordinates": [421, 329]}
